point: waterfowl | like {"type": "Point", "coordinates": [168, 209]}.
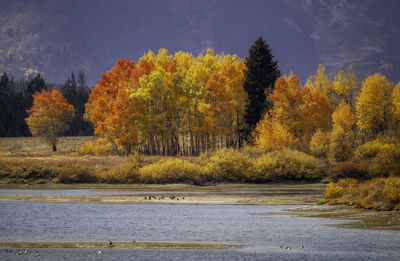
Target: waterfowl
{"type": "Point", "coordinates": [109, 242]}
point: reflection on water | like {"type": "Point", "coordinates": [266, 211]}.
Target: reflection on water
{"type": "Point", "coordinates": [247, 225]}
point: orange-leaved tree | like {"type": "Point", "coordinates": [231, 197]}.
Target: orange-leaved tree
{"type": "Point", "coordinates": [110, 109]}
{"type": "Point", "coordinates": [298, 112]}
{"type": "Point", "coordinates": [49, 116]}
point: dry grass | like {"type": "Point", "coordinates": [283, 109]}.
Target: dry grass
{"type": "Point", "coordinates": [30, 160]}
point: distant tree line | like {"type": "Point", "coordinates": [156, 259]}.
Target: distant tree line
{"type": "Point", "coordinates": [16, 98]}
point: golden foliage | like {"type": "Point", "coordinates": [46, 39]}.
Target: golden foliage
{"type": "Point", "coordinates": [345, 84]}
{"type": "Point", "coordinates": [319, 144]}
{"type": "Point", "coordinates": [272, 134]}
{"type": "Point", "coordinates": [297, 113]}
{"type": "Point", "coordinates": [383, 155]}
{"type": "Point", "coordinates": [378, 193]}
{"type": "Point", "coordinates": [285, 164]}
{"type": "Point", "coordinates": [100, 147]}
{"type": "Point", "coordinates": [374, 106]}
{"type": "Point", "coordinates": [342, 134]}
{"type": "Point", "coordinates": [228, 165]}
{"type": "Point", "coordinates": [320, 81]}
{"type": "Point", "coordinates": [172, 171]}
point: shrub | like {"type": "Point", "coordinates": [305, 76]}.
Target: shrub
{"type": "Point", "coordinates": [286, 164]}
{"type": "Point", "coordinates": [347, 169]}
{"type": "Point", "coordinates": [171, 171]}
{"type": "Point", "coordinates": [383, 157]}
{"type": "Point", "coordinates": [339, 189]}
{"type": "Point", "coordinates": [100, 147]}
{"type": "Point", "coordinates": [74, 174]}
{"type": "Point", "coordinates": [128, 173]}
{"type": "Point", "coordinates": [228, 165]}
{"type": "Point", "coordinates": [378, 193]}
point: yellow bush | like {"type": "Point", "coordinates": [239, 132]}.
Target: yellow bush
{"type": "Point", "coordinates": [127, 173]}
{"type": "Point", "coordinates": [319, 144]}
{"type": "Point", "coordinates": [378, 193]}
{"type": "Point", "coordinates": [339, 189]}
{"type": "Point", "coordinates": [101, 147]}
{"type": "Point", "coordinates": [171, 171]}
{"type": "Point", "coordinates": [383, 156]}
{"type": "Point", "coordinates": [286, 164]}
{"type": "Point", "coordinates": [87, 148]}
{"type": "Point", "coordinates": [74, 174]}
{"type": "Point", "coordinates": [228, 165]}
{"type": "Point", "coordinates": [391, 190]}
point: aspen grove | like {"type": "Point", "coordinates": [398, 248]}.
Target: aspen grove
{"type": "Point", "coordinates": [171, 104]}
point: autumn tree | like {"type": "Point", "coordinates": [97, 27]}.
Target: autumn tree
{"type": "Point", "coordinates": [374, 111]}
{"type": "Point", "coordinates": [396, 109]}
{"type": "Point", "coordinates": [109, 109]}
{"type": "Point", "coordinates": [171, 104]}
{"type": "Point", "coordinates": [259, 81]}
{"type": "Point", "coordinates": [319, 143]}
{"type": "Point", "coordinates": [320, 81]}
{"type": "Point", "coordinates": [49, 116]}
{"type": "Point", "coordinates": [297, 110]}
{"type": "Point", "coordinates": [342, 134]}
{"type": "Point", "coordinates": [345, 84]}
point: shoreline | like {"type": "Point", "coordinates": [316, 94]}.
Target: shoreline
{"type": "Point", "coordinates": [306, 194]}
{"type": "Point", "coordinates": [364, 218]}
{"type": "Point", "coordinates": [277, 193]}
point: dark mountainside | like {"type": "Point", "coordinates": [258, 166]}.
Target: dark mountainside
{"type": "Point", "coordinates": [58, 37]}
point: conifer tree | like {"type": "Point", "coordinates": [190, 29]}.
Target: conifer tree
{"type": "Point", "coordinates": [259, 80]}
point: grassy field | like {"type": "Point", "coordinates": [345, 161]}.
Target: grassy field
{"type": "Point", "coordinates": [19, 157]}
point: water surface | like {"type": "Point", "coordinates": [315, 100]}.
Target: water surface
{"type": "Point", "coordinates": [259, 229]}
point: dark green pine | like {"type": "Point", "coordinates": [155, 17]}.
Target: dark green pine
{"type": "Point", "coordinates": [260, 76]}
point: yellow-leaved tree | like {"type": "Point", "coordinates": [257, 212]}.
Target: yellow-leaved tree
{"type": "Point", "coordinates": [345, 84]}
{"type": "Point", "coordinates": [320, 81]}
{"type": "Point", "coordinates": [374, 106]}
{"type": "Point", "coordinates": [342, 134]}
{"type": "Point", "coordinates": [396, 109]}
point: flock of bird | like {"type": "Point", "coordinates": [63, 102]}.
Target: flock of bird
{"type": "Point", "coordinates": [20, 252]}
{"type": "Point", "coordinates": [25, 251]}
{"type": "Point", "coordinates": [288, 248]}
{"type": "Point", "coordinates": [163, 197]}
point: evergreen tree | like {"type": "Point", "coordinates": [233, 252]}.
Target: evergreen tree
{"type": "Point", "coordinates": [37, 84]}
{"type": "Point", "coordinates": [259, 80]}
{"type": "Point", "coordinates": [5, 92]}
{"type": "Point", "coordinates": [77, 95]}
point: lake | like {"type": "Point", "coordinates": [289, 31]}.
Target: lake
{"type": "Point", "coordinates": [260, 229]}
